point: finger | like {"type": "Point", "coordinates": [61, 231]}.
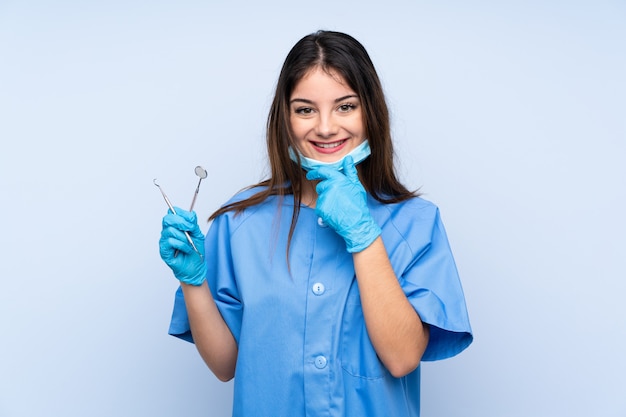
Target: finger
{"type": "Point", "coordinates": [177, 245]}
{"type": "Point", "coordinates": [322, 173]}
{"type": "Point", "coordinates": [168, 246]}
{"type": "Point", "coordinates": [196, 233]}
{"type": "Point", "coordinates": [190, 216]}
{"type": "Point", "coordinates": [314, 174]}
{"type": "Point", "coordinates": [349, 168]}
{"type": "Point", "coordinates": [322, 187]}
{"type": "Point", "coordinates": [175, 238]}
{"type": "Point", "coordinates": [178, 221]}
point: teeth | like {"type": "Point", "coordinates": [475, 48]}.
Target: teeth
{"type": "Point", "coordinates": [329, 145]}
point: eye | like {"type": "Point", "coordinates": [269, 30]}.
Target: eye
{"type": "Point", "coordinates": [305, 111]}
{"type": "Point", "coordinates": [346, 107]}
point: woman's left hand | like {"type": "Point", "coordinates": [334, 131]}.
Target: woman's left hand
{"type": "Point", "coordinates": [342, 204]}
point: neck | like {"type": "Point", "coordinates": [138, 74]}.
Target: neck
{"type": "Point", "coordinates": [309, 195]}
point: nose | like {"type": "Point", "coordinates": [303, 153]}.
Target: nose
{"type": "Point", "coordinates": [326, 126]}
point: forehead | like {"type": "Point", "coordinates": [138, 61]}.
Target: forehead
{"type": "Point", "coordinates": [318, 80]}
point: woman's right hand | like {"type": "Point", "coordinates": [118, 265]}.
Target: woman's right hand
{"type": "Point", "coordinates": [177, 252]}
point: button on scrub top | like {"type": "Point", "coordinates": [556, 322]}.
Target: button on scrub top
{"type": "Point", "coordinates": [303, 345]}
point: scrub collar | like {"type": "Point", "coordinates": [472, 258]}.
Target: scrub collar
{"type": "Point", "coordinates": [359, 154]}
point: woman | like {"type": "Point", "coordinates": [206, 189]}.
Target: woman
{"type": "Point", "coordinates": [323, 287]}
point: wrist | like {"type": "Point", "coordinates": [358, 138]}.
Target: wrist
{"type": "Point", "coordinates": [363, 237]}
{"type": "Point", "coordinates": [195, 282]}
{"type": "Point", "coordinates": [196, 279]}
{"type": "Point", "coordinates": [191, 287]}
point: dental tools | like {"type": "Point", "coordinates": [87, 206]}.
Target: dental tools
{"type": "Point", "coordinates": [202, 173]}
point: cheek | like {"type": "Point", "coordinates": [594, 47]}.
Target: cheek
{"type": "Point", "coordinates": [357, 124]}
{"type": "Point", "coordinates": [357, 130]}
{"type": "Point", "coordinates": [298, 127]}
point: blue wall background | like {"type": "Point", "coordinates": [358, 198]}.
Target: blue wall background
{"type": "Point", "coordinates": [509, 115]}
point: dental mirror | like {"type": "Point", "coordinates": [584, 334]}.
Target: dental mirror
{"type": "Point", "coordinates": [200, 172]}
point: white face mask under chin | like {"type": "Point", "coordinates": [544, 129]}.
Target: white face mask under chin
{"type": "Point", "coordinates": [359, 154]}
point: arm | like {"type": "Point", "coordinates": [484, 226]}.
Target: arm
{"type": "Point", "coordinates": [394, 327]}
{"type": "Point", "coordinates": [211, 335]}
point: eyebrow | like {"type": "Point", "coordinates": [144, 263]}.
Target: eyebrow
{"type": "Point", "coordinates": [337, 100]}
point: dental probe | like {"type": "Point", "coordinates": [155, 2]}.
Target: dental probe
{"type": "Point", "coordinates": [174, 211]}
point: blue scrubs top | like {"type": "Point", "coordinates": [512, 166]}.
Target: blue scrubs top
{"type": "Point", "coordinates": [303, 345]}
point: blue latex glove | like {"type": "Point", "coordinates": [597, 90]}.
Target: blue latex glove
{"type": "Point", "coordinates": [342, 204]}
{"type": "Point", "coordinates": [187, 265]}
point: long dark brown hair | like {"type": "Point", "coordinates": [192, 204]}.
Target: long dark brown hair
{"type": "Point", "coordinates": [341, 54]}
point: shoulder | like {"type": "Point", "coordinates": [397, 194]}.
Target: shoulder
{"type": "Point", "coordinates": [235, 218]}
{"type": "Point", "coordinates": [245, 193]}
{"type": "Point", "coordinates": [412, 222]}
{"type": "Point", "coordinates": [413, 209]}
{"type": "Point", "coordinates": [417, 204]}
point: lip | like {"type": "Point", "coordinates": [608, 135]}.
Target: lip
{"type": "Point", "coordinates": [329, 151]}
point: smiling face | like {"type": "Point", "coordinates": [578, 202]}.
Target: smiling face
{"type": "Point", "coordinates": [326, 116]}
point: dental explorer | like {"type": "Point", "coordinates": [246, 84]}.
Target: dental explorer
{"type": "Point", "coordinates": [171, 207]}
